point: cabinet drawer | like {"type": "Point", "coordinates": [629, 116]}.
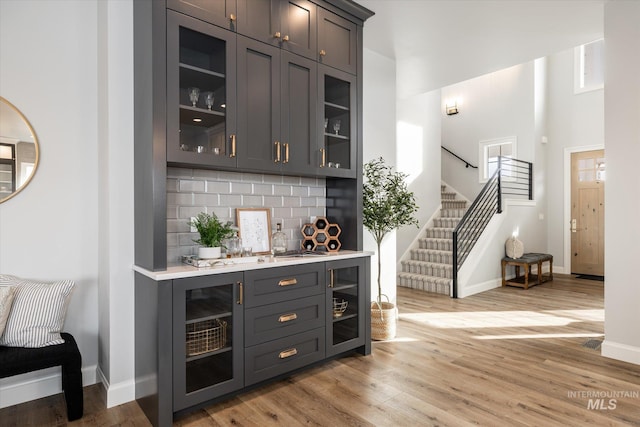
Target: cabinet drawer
{"type": "Point", "coordinates": [274, 321]}
{"type": "Point", "coordinates": [277, 357]}
{"type": "Point", "coordinates": [273, 285]}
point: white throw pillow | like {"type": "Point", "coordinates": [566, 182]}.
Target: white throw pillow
{"type": "Point", "coordinates": [37, 313]}
{"type": "Point", "coordinates": [6, 298]}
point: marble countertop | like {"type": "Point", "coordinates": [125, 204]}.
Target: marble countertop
{"type": "Point", "coordinates": [243, 264]}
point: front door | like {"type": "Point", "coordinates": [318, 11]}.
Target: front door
{"type": "Point", "coordinates": [587, 212]}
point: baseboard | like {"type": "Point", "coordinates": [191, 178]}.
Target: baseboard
{"type": "Point", "coordinates": [35, 385]}
{"type": "Point", "coordinates": [479, 287]}
{"type": "Point", "coordinates": [623, 352]}
{"type": "Point", "coordinates": [118, 393]}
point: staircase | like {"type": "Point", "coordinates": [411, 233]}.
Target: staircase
{"type": "Point", "coordinates": [431, 265]}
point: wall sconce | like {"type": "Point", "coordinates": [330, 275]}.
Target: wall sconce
{"type": "Point", "coordinates": [451, 109]}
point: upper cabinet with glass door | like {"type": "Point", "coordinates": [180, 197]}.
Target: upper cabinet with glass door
{"type": "Point", "coordinates": [337, 91]}
{"type": "Point", "coordinates": [201, 84]}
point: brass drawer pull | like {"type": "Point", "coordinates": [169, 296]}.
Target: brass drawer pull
{"type": "Point", "coordinates": [287, 317]}
{"type": "Point", "coordinates": [287, 282]}
{"type": "Point", "coordinates": [288, 353]}
{"type": "Point", "coordinates": [277, 159]}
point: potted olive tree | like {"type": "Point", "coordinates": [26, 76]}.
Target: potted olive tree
{"type": "Point", "coordinates": [387, 205]}
{"type": "Point", "coordinates": [212, 231]}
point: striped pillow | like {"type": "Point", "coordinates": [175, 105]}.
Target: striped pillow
{"type": "Point", "coordinates": [37, 313]}
{"type": "Point", "coordinates": [6, 298]}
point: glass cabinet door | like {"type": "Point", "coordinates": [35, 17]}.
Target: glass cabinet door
{"type": "Point", "coordinates": [207, 338]}
{"type": "Point", "coordinates": [200, 93]}
{"type": "Point", "coordinates": [345, 299]}
{"type": "Point", "coordinates": [338, 147]}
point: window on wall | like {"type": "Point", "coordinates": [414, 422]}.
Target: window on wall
{"type": "Point", "coordinates": [490, 150]}
{"type": "Point", "coordinates": [589, 66]}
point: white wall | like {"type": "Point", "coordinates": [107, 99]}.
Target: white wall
{"type": "Point", "coordinates": [68, 66]}
{"type": "Point", "coordinates": [622, 199]}
{"type": "Point", "coordinates": [573, 121]}
{"type": "Point", "coordinates": [50, 230]}
{"type": "Point", "coordinates": [116, 243]}
{"type": "Point", "coordinates": [418, 154]}
{"type": "Point", "coordinates": [379, 140]}
{"type": "Point", "coordinates": [495, 105]}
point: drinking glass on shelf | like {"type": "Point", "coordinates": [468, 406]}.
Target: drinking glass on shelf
{"type": "Point", "coordinates": [194, 94]}
{"type": "Point", "coordinates": [336, 126]}
{"type": "Point", "coordinates": [208, 99]}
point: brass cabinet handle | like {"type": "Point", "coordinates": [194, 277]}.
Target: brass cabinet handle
{"type": "Point", "coordinates": [277, 35]}
{"type": "Point", "coordinates": [285, 39]}
{"type": "Point", "coordinates": [324, 158]}
{"type": "Point", "coordinates": [240, 293]}
{"type": "Point", "coordinates": [277, 159]}
{"type": "Point", "coordinates": [286, 153]}
{"type": "Point", "coordinates": [233, 145]}
{"type": "Point", "coordinates": [287, 282]}
{"type": "Point", "coordinates": [331, 282]}
{"type": "Point", "coordinates": [232, 17]}
{"type": "Point", "coordinates": [323, 52]}
{"type": "Point", "coordinates": [287, 317]}
{"type": "Point", "coordinates": [288, 353]}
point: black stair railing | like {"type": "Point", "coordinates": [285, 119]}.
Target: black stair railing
{"type": "Point", "coordinates": [466, 164]}
{"type": "Point", "coordinates": [513, 178]}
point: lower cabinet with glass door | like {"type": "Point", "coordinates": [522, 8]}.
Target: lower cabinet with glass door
{"type": "Point", "coordinates": [207, 338]}
{"type": "Point", "coordinates": [348, 318]}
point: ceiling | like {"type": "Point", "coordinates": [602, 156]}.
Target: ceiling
{"type": "Point", "coordinates": [440, 42]}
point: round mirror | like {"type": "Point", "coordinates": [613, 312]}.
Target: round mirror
{"type": "Point", "coordinates": [19, 151]}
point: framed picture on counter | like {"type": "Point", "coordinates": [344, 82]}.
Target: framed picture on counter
{"type": "Point", "coordinates": [254, 225]}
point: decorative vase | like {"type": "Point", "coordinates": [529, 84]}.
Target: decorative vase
{"type": "Point", "coordinates": [383, 320]}
{"type": "Point", "coordinates": [209, 253]}
{"type": "Point", "coordinates": [514, 248]}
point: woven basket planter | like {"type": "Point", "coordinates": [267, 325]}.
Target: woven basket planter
{"type": "Point", "coordinates": [383, 321]}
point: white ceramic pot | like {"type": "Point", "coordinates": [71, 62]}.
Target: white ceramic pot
{"type": "Point", "coordinates": [209, 253]}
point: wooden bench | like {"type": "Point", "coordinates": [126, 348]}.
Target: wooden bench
{"type": "Point", "coordinates": [526, 261]}
{"type": "Point", "coordinates": [19, 360]}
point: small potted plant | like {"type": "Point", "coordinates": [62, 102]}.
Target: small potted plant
{"type": "Point", "coordinates": [387, 205]}
{"type": "Point", "coordinates": [212, 231]}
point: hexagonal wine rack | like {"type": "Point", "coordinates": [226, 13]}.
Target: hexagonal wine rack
{"type": "Point", "coordinates": [321, 236]}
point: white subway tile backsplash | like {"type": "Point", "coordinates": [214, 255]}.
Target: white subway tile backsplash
{"type": "Point", "coordinates": [282, 190]}
{"type": "Point", "coordinates": [205, 199]}
{"type": "Point", "coordinates": [230, 200]}
{"type": "Point", "coordinates": [291, 180]}
{"type": "Point", "coordinates": [251, 201]}
{"type": "Point", "coordinates": [263, 189]}
{"type": "Point", "coordinates": [273, 201]}
{"type": "Point", "coordinates": [241, 188]}
{"type": "Point", "coordinates": [299, 191]}
{"type": "Point", "coordinates": [176, 199]}
{"type": "Point", "coordinates": [186, 185]}
{"type": "Point", "coordinates": [316, 191]}
{"type": "Point", "coordinates": [218, 187]}
{"type": "Point", "coordinates": [308, 201]}
{"type": "Point", "coordinates": [292, 200]}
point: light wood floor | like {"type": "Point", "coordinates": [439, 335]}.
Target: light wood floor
{"type": "Point", "coordinates": [506, 357]}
